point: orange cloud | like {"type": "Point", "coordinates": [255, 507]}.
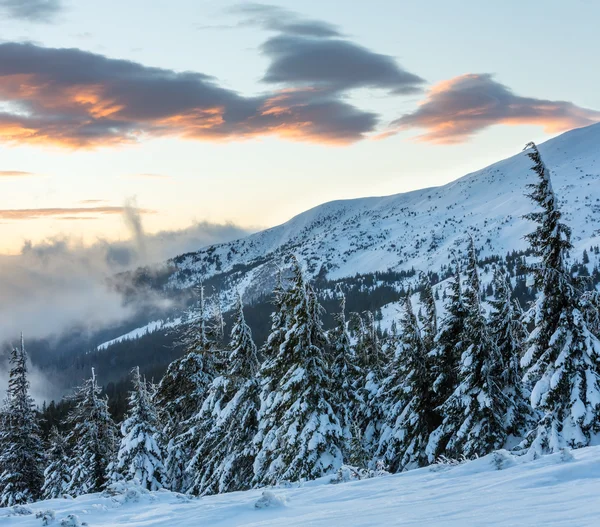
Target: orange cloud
{"type": "Point", "coordinates": [15, 173]}
{"type": "Point", "coordinates": [458, 108]}
{"type": "Point", "coordinates": [64, 213]}
{"type": "Point", "coordinates": [73, 98]}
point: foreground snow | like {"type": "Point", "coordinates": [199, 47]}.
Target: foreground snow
{"type": "Point", "coordinates": [554, 490]}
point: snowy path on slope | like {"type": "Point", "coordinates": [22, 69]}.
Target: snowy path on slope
{"type": "Point", "coordinates": [547, 491]}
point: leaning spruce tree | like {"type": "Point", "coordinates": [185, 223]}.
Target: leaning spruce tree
{"type": "Point", "coordinates": [140, 457]}
{"type": "Point", "coordinates": [563, 356]}
{"type": "Point", "coordinates": [299, 435]}
{"type": "Point", "coordinates": [22, 457]}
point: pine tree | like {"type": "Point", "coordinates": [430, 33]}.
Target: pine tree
{"type": "Point", "coordinates": [216, 331]}
{"type": "Point", "coordinates": [374, 362]}
{"type": "Point", "coordinates": [473, 422]}
{"type": "Point", "coordinates": [22, 457]}
{"type": "Point", "coordinates": [94, 439]}
{"type": "Point", "coordinates": [428, 314]}
{"type": "Point", "coordinates": [181, 393]}
{"type": "Point", "coordinates": [346, 377]}
{"type": "Point", "coordinates": [562, 354]}
{"type": "Point", "coordinates": [445, 356]}
{"type": "Point", "coordinates": [57, 474]}
{"type": "Point", "coordinates": [222, 439]}
{"type": "Point", "coordinates": [509, 334]}
{"type": "Point", "coordinates": [299, 433]}
{"type": "Point", "coordinates": [140, 457]}
{"type": "Point", "coordinates": [408, 399]}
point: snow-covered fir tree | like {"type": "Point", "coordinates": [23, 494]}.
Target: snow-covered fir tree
{"type": "Point", "coordinates": [563, 355]}
{"type": "Point", "coordinates": [182, 391]}
{"type": "Point", "coordinates": [373, 361]}
{"type": "Point", "coordinates": [299, 433]}
{"type": "Point", "coordinates": [57, 474]}
{"type": "Point", "coordinates": [408, 399]}
{"type": "Point", "coordinates": [509, 334]}
{"type": "Point", "coordinates": [140, 456]}
{"type": "Point", "coordinates": [222, 441]}
{"type": "Point", "coordinates": [216, 325]}
{"type": "Point", "coordinates": [93, 438]}
{"type": "Point", "coordinates": [446, 353]}
{"type": "Point", "coordinates": [346, 377]}
{"type": "Point", "coordinates": [428, 314]}
{"type": "Point", "coordinates": [473, 416]}
{"type": "Point", "coordinates": [22, 456]}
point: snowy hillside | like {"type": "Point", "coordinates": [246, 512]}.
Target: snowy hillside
{"type": "Point", "coordinates": [554, 490]}
{"type": "Point", "coordinates": [418, 228]}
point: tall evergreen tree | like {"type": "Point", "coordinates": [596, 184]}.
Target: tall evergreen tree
{"type": "Point", "coordinates": [562, 354]}
{"type": "Point", "coordinates": [428, 314]}
{"type": "Point", "coordinates": [222, 441]}
{"type": "Point", "coordinates": [473, 415]}
{"type": "Point", "coordinates": [140, 456]}
{"type": "Point", "coordinates": [22, 457]}
{"type": "Point", "coordinates": [409, 409]}
{"type": "Point", "coordinates": [181, 393]}
{"type": "Point", "coordinates": [346, 376]}
{"type": "Point", "coordinates": [299, 433]}
{"type": "Point", "coordinates": [93, 436]}
{"type": "Point", "coordinates": [57, 474]}
{"type": "Point", "coordinates": [445, 356]}
{"type": "Point", "coordinates": [509, 334]}
{"type": "Point", "coordinates": [374, 362]}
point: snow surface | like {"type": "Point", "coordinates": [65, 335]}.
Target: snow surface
{"type": "Point", "coordinates": [556, 490]}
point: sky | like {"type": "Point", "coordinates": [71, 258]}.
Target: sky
{"type": "Point", "coordinates": [221, 117]}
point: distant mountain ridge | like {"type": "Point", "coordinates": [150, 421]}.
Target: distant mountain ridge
{"type": "Point", "coordinates": [415, 229]}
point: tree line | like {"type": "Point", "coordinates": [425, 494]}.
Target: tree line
{"type": "Point", "coordinates": [460, 382]}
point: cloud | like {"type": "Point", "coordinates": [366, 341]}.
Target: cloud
{"type": "Point", "coordinates": [31, 10]}
{"type": "Point", "coordinates": [275, 18]}
{"type": "Point", "coordinates": [60, 284]}
{"type": "Point", "coordinates": [75, 98]}
{"type": "Point", "coordinates": [335, 64]}
{"type": "Point", "coordinates": [456, 109]}
{"type": "Point", "coordinates": [315, 53]}
{"type": "Point", "coordinates": [70, 97]}
{"type": "Point", "coordinates": [68, 212]}
{"type": "Point", "coordinates": [15, 173]}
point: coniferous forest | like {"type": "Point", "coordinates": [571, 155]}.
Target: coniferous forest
{"type": "Point", "coordinates": [456, 376]}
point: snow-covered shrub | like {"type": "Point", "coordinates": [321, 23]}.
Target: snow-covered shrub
{"type": "Point", "coordinates": [46, 516]}
{"type": "Point", "coordinates": [269, 499]}
{"type": "Point", "coordinates": [20, 510]}
{"type": "Point", "coordinates": [443, 462]}
{"type": "Point", "coordinates": [126, 491]}
{"type": "Point", "coordinates": [72, 520]}
{"type": "Point", "coordinates": [502, 459]}
{"type": "Point", "coordinates": [348, 473]}
{"type": "Point", "coordinates": [566, 455]}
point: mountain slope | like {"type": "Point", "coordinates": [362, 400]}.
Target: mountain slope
{"type": "Point", "coordinates": [558, 490]}
{"type": "Point", "coordinates": [417, 229]}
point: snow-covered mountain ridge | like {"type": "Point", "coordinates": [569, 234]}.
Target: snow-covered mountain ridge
{"type": "Point", "coordinates": [417, 229]}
